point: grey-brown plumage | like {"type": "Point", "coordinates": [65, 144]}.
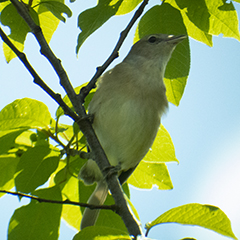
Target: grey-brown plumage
{"type": "Point", "coordinates": [127, 109]}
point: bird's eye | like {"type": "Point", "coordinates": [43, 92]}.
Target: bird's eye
{"type": "Point", "coordinates": [152, 39]}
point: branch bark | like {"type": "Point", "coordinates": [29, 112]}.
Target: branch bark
{"type": "Point", "coordinates": [67, 202]}
{"type": "Point", "coordinates": [84, 91]}
{"type": "Point", "coordinates": [36, 77]}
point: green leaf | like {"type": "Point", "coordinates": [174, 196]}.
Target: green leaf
{"type": "Point", "coordinates": [45, 15]}
{"type": "Point", "coordinates": [37, 220]}
{"type": "Point", "coordinates": [19, 29]}
{"type": "Point", "coordinates": [223, 19]}
{"type": "Point", "coordinates": [196, 19]}
{"type": "Point", "coordinates": [8, 164]}
{"type": "Point", "coordinates": [152, 170]}
{"type": "Point", "coordinates": [35, 167]}
{"type": "Point", "coordinates": [70, 190]}
{"type": "Point", "coordinates": [188, 239]}
{"type": "Point", "coordinates": [27, 113]}
{"type": "Point", "coordinates": [206, 216]}
{"type": "Point", "coordinates": [101, 233]}
{"type": "Point", "coordinates": [65, 176]}
{"type": "Point", "coordinates": [109, 218]}
{"type": "Point", "coordinates": [57, 9]}
{"type": "Point", "coordinates": [147, 175]}
{"type": "Point", "coordinates": [162, 149]}
{"type": "Point", "coordinates": [92, 19]}
{"type": "Point", "coordinates": [27, 139]}
{"type": "Point", "coordinates": [7, 139]}
{"type": "Point", "coordinates": [69, 212]}
{"type": "Point", "coordinates": [134, 211]}
{"type": "Point", "coordinates": [206, 18]}
{"type": "Point", "coordinates": [127, 6]}
{"type": "Point", "coordinates": [126, 190]}
{"type": "Point", "coordinates": [168, 20]}
{"type": "Point", "coordinates": [47, 21]}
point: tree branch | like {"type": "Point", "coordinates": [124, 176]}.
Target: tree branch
{"type": "Point", "coordinates": [85, 90]}
{"type": "Point", "coordinates": [68, 202]}
{"type": "Point", "coordinates": [48, 53]}
{"type": "Point", "coordinates": [37, 79]}
{"type": "Point", "coordinates": [81, 119]}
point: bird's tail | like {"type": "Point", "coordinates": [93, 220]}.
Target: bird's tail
{"type": "Point", "coordinates": [98, 197]}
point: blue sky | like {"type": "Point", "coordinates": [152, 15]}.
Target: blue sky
{"type": "Point", "coordinates": [205, 127]}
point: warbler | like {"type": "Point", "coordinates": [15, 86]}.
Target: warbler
{"type": "Point", "coordinates": [127, 109]}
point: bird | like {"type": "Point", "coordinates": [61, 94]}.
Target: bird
{"type": "Point", "coordinates": [127, 108]}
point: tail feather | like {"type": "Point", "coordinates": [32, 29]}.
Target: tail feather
{"type": "Point", "coordinates": [98, 197]}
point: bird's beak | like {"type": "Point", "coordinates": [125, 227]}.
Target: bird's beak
{"type": "Point", "coordinates": [176, 39]}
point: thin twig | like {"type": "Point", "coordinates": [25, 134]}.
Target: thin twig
{"type": "Point", "coordinates": [41, 200]}
{"type": "Point", "coordinates": [82, 120]}
{"type": "Point", "coordinates": [85, 90]}
{"type": "Point", "coordinates": [48, 53]}
{"type": "Point", "coordinates": [37, 79]}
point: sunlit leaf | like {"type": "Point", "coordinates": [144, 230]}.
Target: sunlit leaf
{"type": "Point", "coordinates": [7, 139]}
{"type": "Point", "coordinates": [223, 19]}
{"type": "Point", "coordinates": [48, 22]}
{"type": "Point", "coordinates": [109, 218]}
{"type": "Point", "coordinates": [134, 211]}
{"type": "Point", "coordinates": [147, 175]}
{"type": "Point", "coordinates": [45, 15]}
{"type": "Point", "coordinates": [37, 220]}
{"type": "Point", "coordinates": [35, 167]}
{"type": "Point", "coordinates": [162, 149]}
{"type": "Point", "coordinates": [127, 6]}
{"type": "Point", "coordinates": [101, 233]}
{"type": "Point", "coordinates": [8, 164]}
{"type": "Point", "coordinates": [57, 9]}
{"type": "Point", "coordinates": [206, 216]}
{"type": "Point", "coordinates": [27, 113]}
{"type": "Point", "coordinates": [69, 212]}
{"type": "Point", "coordinates": [206, 18]}
{"type": "Point", "coordinates": [196, 19]}
{"type": "Point", "coordinates": [18, 27]}
{"type": "Point", "coordinates": [26, 138]}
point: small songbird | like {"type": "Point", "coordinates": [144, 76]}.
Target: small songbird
{"type": "Point", "coordinates": [127, 109]}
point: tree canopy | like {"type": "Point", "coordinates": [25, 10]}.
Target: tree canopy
{"type": "Point", "coordinates": [37, 148]}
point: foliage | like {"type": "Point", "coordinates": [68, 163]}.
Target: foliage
{"type": "Point", "coordinates": [35, 149]}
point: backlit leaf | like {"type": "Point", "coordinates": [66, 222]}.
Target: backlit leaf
{"type": "Point", "coordinates": [8, 164]}
{"type": "Point", "coordinates": [206, 216]}
{"type": "Point", "coordinates": [101, 233]}
{"type": "Point", "coordinates": [147, 175]}
{"type": "Point", "coordinates": [162, 149]}
{"type": "Point", "coordinates": [27, 113]}
{"type": "Point", "coordinates": [37, 220]}
{"type": "Point", "coordinates": [57, 9]}
{"type": "Point", "coordinates": [35, 167]}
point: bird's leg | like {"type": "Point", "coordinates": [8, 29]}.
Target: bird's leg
{"type": "Point", "coordinates": [85, 155]}
{"type": "Point", "coordinates": [89, 117]}
{"type": "Point", "coordinates": [108, 171]}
